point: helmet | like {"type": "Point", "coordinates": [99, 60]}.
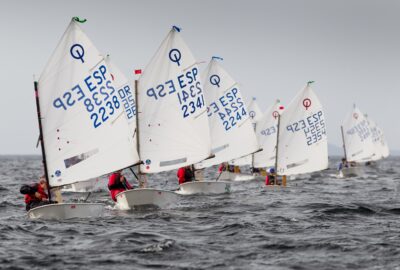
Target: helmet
{"type": "Point", "coordinates": [271, 170]}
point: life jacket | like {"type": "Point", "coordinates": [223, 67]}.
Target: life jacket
{"type": "Point", "coordinates": [115, 185]}
{"type": "Point", "coordinates": [270, 179]}
{"type": "Point", "coordinates": [221, 168]}
{"type": "Point", "coordinates": [184, 175]}
{"type": "Point", "coordinates": [30, 195]}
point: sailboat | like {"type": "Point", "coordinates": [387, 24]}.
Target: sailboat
{"type": "Point", "coordinates": [378, 138]}
{"type": "Point", "coordinates": [83, 129]}
{"type": "Point", "coordinates": [232, 134]}
{"type": "Point", "coordinates": [255, 114]}
{"type": "Point", "coordinates": [172, 120]}
{"type": "Point", "coordinates": [266, 132]}
{"type": "Point", "coordinates": [301, 136]}
{"type": "Point", "coordinates": [357, 143]}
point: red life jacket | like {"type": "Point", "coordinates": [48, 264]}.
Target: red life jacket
{"type": "Point", "coordinates": [184, 175]}
{"type": "Point", "coordinates": [32, 197]}
{"type": "Point", "coordinates": [221, 168]}
{"type": "Point", "coordinates": [115, 185]}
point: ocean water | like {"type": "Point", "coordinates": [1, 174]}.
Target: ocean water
{"type": "Point", "coordinates": [317, 222]}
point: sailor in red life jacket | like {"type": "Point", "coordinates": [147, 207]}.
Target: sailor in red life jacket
{"type": "Point", "coordinates": [117, 183]}
{"type": "Point", "coordinates": [270, 178]}
{"type": "Point", "coordinates": [35, 194]}
{"type": "Point", "coordinates": [185, 174]}
{"type": "Point", "coordinates": [222, 168]}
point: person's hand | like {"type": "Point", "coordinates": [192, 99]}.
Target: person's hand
{"type": "Point", "coordinates": [38, 195]}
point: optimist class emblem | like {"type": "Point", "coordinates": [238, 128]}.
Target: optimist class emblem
{"type": "Point", "coordinates": [215, 80]}
{"type": "Point", "coordinates": [275, 114]}
{"type": "Point", "coordinates": [355, 115]}
{"type": "Point", "coordinates": [252, 114]}
{"type": "Point", "coordinates": [307, 103]}
{"type": "Point", "coordinates": [175, 56]}
{"type": "Point", "coordinates": [77, 52]}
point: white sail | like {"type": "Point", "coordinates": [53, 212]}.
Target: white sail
{"type": "Point", "coordinates": [266, 132]}
{"type": "Point", "coordinates": [255, 115]}
{"type": "Point", "coordinates": [358, 137]}
{"type": "Point", "coordinates": [173, 125]}
{"type": "Point", "coordinates": [302, 142]}
{"type": "Point", "coordinates": [384, 148]}
{"type": "Point", "coordinates": [246, 160]}
{"type": "Point", "coordinates": [232, 134]}
{"type": "Point", "coordinates": [254, 110]}
{"type": "Point", "coordinates": [381, 148]}
{"type": "Point", "coordinates": [85, 131]}
{"type": "Point", "coordinates": [126, 94]}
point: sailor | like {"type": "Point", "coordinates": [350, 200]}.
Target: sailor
{"type": "Point", "coordinates": [222, 167]}
{"type": "Point", "coordinates": [35, 194]}
{"type": "Point", "coordinates": [270, 179]}
{"type": "Point", "coordinates": [343, 164]}
{"type": "Point", "coordinates": [117, 183]}
{"type": "Point", "coordinates": [185, 174]}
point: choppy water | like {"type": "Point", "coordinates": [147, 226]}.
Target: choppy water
{"type": "Point", "coordinates": [317, 222]}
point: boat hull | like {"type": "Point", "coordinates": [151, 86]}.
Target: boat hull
{"type": "Point", "coordinates": [351, 172]}
{"type": "Point", "coordinates": [242, 177]}
{"type": "Point", "coordinates": [146, 198]}
{"type": "Point", "coordinates": [204, 187]}
{"type": "Point", "coordinates": [67, 211]}
{"type": "Point", "coordinates": [230, 176]}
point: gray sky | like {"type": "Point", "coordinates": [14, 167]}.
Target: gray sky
{"type": "Point", "coordinates": [351, 48]}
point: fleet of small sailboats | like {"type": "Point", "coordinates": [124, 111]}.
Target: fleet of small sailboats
{"type": "Point", "coordinates": [93, 122]}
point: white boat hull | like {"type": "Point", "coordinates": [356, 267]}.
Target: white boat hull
{"type": "Point", "coordinates": [204, 187]}
{"type": "Point", "coordinates": [84, 186]}
{"type": "Point", "coordinates": [230, 176]}
{"type": "Point", "coordinates": [242, 177]}
{"type": "Point", "coordinates": [67, 211]}
{"type": "Point", "coordinates": [351, 172]}
{"type": "Point", "coordinates": [146, 198]}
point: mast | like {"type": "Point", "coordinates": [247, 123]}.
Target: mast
{"type": "Point", "coordinates": [41, 138]}
{"type": "Point", "coordinates": [137, 122]}
{"type": "Point", "coordinates": [277, 147]}
{"type": "Point", "coordinates": [344, 144]}
{"type": "Point", "coordinates": [252, 155]}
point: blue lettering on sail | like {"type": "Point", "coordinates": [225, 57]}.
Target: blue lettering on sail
{"type": "Point", "coordinates": [77, 52]}
{"type": "Point", "coordinates": [313, 127]}
{"type": "Point", "coordinates": [361, 129]}
{"type": "Point", "coordinates": [126, 96]}
{"type": "Point", "coordinates": [187, 88]}
{"type": "Point", "coordinates": [96, 93]}
{"type": "Point", "coordinates": [230, 109]}
{"type": "Point", "coordinates": [269, 131]}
